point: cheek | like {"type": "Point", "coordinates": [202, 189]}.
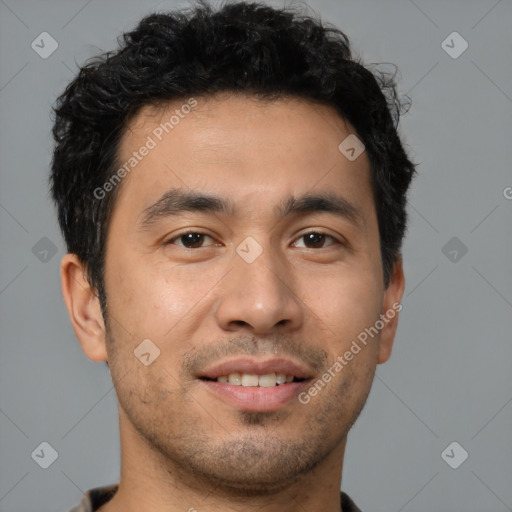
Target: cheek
{"type": "Point", "coordinates": [345, 304]}
{"type": "Point", "coordinates": [150, 299]}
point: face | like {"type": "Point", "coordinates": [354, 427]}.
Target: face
{"type": "Point", "coordinates": [272, 275]}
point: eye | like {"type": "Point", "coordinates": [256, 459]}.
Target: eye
{"type": "Point", "coordinates": [189, 240]}
{"type": "Point", "coordinates": [316, 239]}
{"type": "Point", "coordinates": [195, 240]}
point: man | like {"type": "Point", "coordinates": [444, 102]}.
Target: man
{"type": "Point", "coordinates": [231, 188]}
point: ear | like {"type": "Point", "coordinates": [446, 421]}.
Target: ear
{"type": "Point", "coordinates": [83, 307]}
{"type": "Point", "coordinates": [390, 309]}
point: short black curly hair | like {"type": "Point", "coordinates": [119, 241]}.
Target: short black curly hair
{"type": "Point", "coordinates": [239, 47]}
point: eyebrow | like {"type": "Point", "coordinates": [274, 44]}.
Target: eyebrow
{"type": "Point", "coordinates": [177, 201]}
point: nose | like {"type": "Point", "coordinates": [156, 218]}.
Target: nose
{"type": "Point", "coordinates": [259, 296]}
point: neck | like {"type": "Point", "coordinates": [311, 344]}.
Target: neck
{"type": "Point", "coordinates": [151, 482]}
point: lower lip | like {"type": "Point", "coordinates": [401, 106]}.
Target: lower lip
{"type": "Point", "coordinates": [255, 398]}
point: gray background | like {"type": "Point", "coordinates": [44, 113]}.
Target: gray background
{"type": "Point", "coordinates": [449, 378]}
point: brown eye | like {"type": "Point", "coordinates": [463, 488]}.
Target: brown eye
{"type": "Point", "coordinates": [316, 240]}
{"type": "Point", "coordinates": [191, 240]}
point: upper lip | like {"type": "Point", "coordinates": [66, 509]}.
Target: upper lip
{"type": "Point", "coordinates": [257, 367]}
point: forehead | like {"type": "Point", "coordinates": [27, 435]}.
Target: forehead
{"type": "Point", "coordinates": [249, 150]}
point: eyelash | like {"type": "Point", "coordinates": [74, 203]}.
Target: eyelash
{"type": "Point", "coordinates": [322, 233]}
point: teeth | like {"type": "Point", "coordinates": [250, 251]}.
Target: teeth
{"type": "Point", "coordinates": [281, 378]}
{"type": "Point", "coordinates": [235, 378]}
{"type": "Point", "coordinates": [249, 380]}
{"type": "Point", "coordinates": [268, 381]}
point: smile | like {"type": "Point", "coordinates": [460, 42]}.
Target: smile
{"type": "Point", "coordinates": [251, 380]}
{"type": "Point", "coordinates": [256, 385]}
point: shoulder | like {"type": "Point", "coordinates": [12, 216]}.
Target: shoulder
{"type": "Point", "coordinates": [93, 499]}
{"type": "Point", "coordinates": [347, 504]}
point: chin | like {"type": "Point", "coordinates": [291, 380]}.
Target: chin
{"type": "Point", "coordinates": [255, 465]}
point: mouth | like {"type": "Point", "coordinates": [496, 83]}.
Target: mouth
{"type": "Point", "coordinates": [249, 380]}
{"type": "Point", "coordinates": [256, 386]}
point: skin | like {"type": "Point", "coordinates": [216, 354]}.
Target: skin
{"type": "Point", "coordinates": [182, 447]}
